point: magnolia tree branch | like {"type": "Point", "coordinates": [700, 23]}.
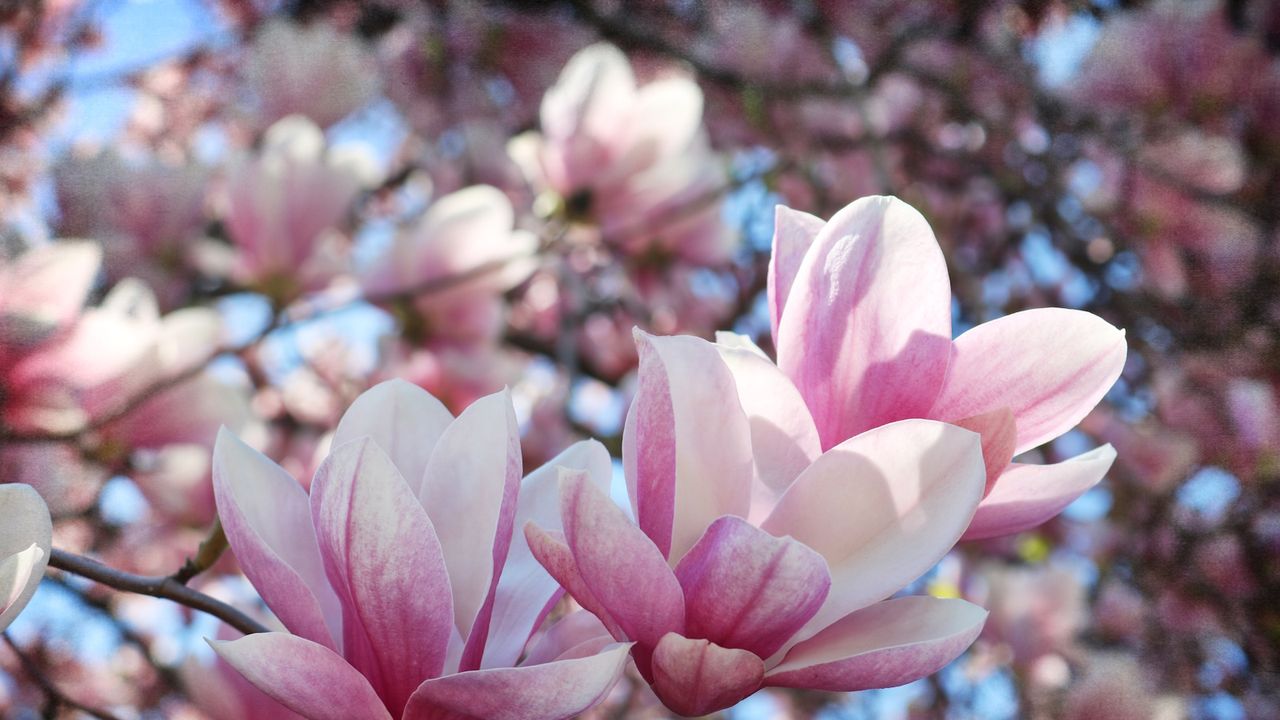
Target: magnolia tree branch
{"type": "Point", "coordinates": [206, 555]}
{"type": "Point", "coordinates": [164, 587]}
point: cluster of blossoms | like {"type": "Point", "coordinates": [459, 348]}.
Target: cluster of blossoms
{"type": "Point", "coordinates": [775, 507]}
{"type": "Point", "coordinates": [771, 518]}
{"type": "Point", "coordinates": [332, 227]}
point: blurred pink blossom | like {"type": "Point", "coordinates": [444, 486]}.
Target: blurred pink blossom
{"type": "Point", "coordinates": [284, 208]}
{"type": "Point", "coordinates": [309, 69]}
{"type": "Point", "coordinates": [632, 160]}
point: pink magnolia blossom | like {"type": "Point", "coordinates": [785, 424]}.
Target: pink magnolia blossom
{"type": "Point", "coordinates": [309, 70]}
{"type": "Point", "coordinates": [1115, 687]}
{"type": "Point", "coordinates": [1037, 612]}
{"type": "Point", "coordinates": [25, 537]}
{"type": "Point", "coordinates": [757, 568]}
{"type": "Point", "coordinates": [148, 215]}
{"type": "Point", "coordinates": [399, 582]}
{"type": "Point", "coordinates": [61, 364]}
{"type": "Point", "coordinates": [284, 208]}
{"type": "Point", "coordinates": [633, 160]}
{"type": "Point", "coordinates": [466, 247]}
{"type": "Point", "coordinates": [866, 340]}
{"type": "Point", "coordinates": [42, 292]}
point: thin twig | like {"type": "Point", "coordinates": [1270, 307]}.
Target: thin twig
{"type": "Point", "coordinates": [206, 555]}
{"type": "Point", "coordinates": [163, 587]}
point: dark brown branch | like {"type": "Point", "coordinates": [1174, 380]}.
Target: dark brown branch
{"type": "Point", "coordinates": [163, 587]}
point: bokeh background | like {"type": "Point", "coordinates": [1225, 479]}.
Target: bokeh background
{"type": "Point", "coordinates": [275, 191]}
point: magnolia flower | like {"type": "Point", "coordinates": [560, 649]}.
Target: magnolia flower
{"type": "Point", "coordinates": [866, 340]}
{"type": "Point", "coordinates": [60, 363]}
{"type": "Point", "coordinates": [464, 242]}
{"type": "Point", "coordinates": [397, 578]}
{"type": "Point", "coordinates": [25, 537]}
{"type": "Point", "coordinates": [753, 575]}
{"type": "Point", "coordinates": [309, 70]}
{"type": "Point", "coordinates": [284, 206]}
{"type": "Point", "coordinates": [149, 215]}
{"type": "Point", "coordinates": [635, 161]}
{"type": "Point", "coordinates": [42, 292]}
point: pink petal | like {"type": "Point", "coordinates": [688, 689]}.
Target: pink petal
{"type": "Point", "coordinates": [403, 419]}
{"type": "Point", "coordinates": [687, 444]}
{"type": "Point", "coordinates": [469, 491]}
{"type": "Point", "coordinates": [1051, 366]}
{"type": "Point", "coordinates": [553, 553]}
{"type": "Point", "coordinates": [382, 557]}
{"type": "Point", "coordinates": [783, 436]}
{"type": "Point", "coordinates": [566, 634]}
{"type": "Point", "coordinates": [552, 691]}
{"type": "Point", "coordinates": [665, 119]}
{"type": "Point", "coordinates": [793, 235]}
{"type": "Point", "coordinates": [883, 508]}
{"type": "Point", "coordinates": [26, 535]}
{"type": "Point", "coordinates": [616, 559]}
{"type": "Point", "coordinates": [867, 334]}
{"type": "Point", "coordinates": [999, 433]}
{"type": "Point", "coordinates": [267, 519]}
{"type": "Point", "coordinates": [459, 232]}
{"type": "Point", "coordinates": [525, 591]}
{"type": "Point", "coordinates": [20, 573]}
{"type": "Point", "coordinates": [591, 95]}
{"type": "Point", "coordinates": [308, 678]}
{"type": "Point", "coordinates": [46, 287]}
{"type": "Point", "coordinates": [887, 644]}
{"type": "Point", "coordinates": [746, 589]}
{"type": "Point", "coordinates": [698, 677]}
{"type": "Point", "coordinates": [1027, 495]}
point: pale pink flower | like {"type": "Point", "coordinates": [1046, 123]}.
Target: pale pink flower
{"type": "Point", "coordinates": [866, 340]}
{"type": "Point", "coordinates": [758, 568]}
{"type": "Point", "coordinates": [57, 470]}
{"type": "Point", "coordinates": [61, 365]}
{"type": "Point", "coordinates": [284, 207]}
{"type": "Point", "coordinates": [149, 216]}
{"type": "Point", "coordinates": [453, 267]}
{"type": "Point", "coordinates": [1115, 687]}
{"type": "Point", "coordinates": [1036, 612]}
{"type": "Point", "coordinates": [398, 578]}
{"type": "Point", "coordinates": [633, 160]}
{"type": "Point", "coordinates": [1157, 456]}
{"type": "Point", "coordinates": [25, 536]}
{"type": "Point", "coordinates": [310, 70]}
{"type": "Point", "coordinates": [42, 292]}
{"type": "Point", "coordinates": [1171, 58]}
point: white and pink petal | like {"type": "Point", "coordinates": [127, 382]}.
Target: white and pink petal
{"type": "Point", "coordinates": [1027, 495]}
{"type": "Point", "coordinates": [266, 517]}
{"type": "Point", "coordinates": [884, 645]}
{"type": "Point", "coordinates": [883, 508]}
{"type": "Point", "coordinates": [308, 678]}
{"type": "Point", "coordinates": [382, 558]}
{"type": "Point", "coordinates": [867, 333]}
{"type": "Point", "coordinates": [1050, 366]}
